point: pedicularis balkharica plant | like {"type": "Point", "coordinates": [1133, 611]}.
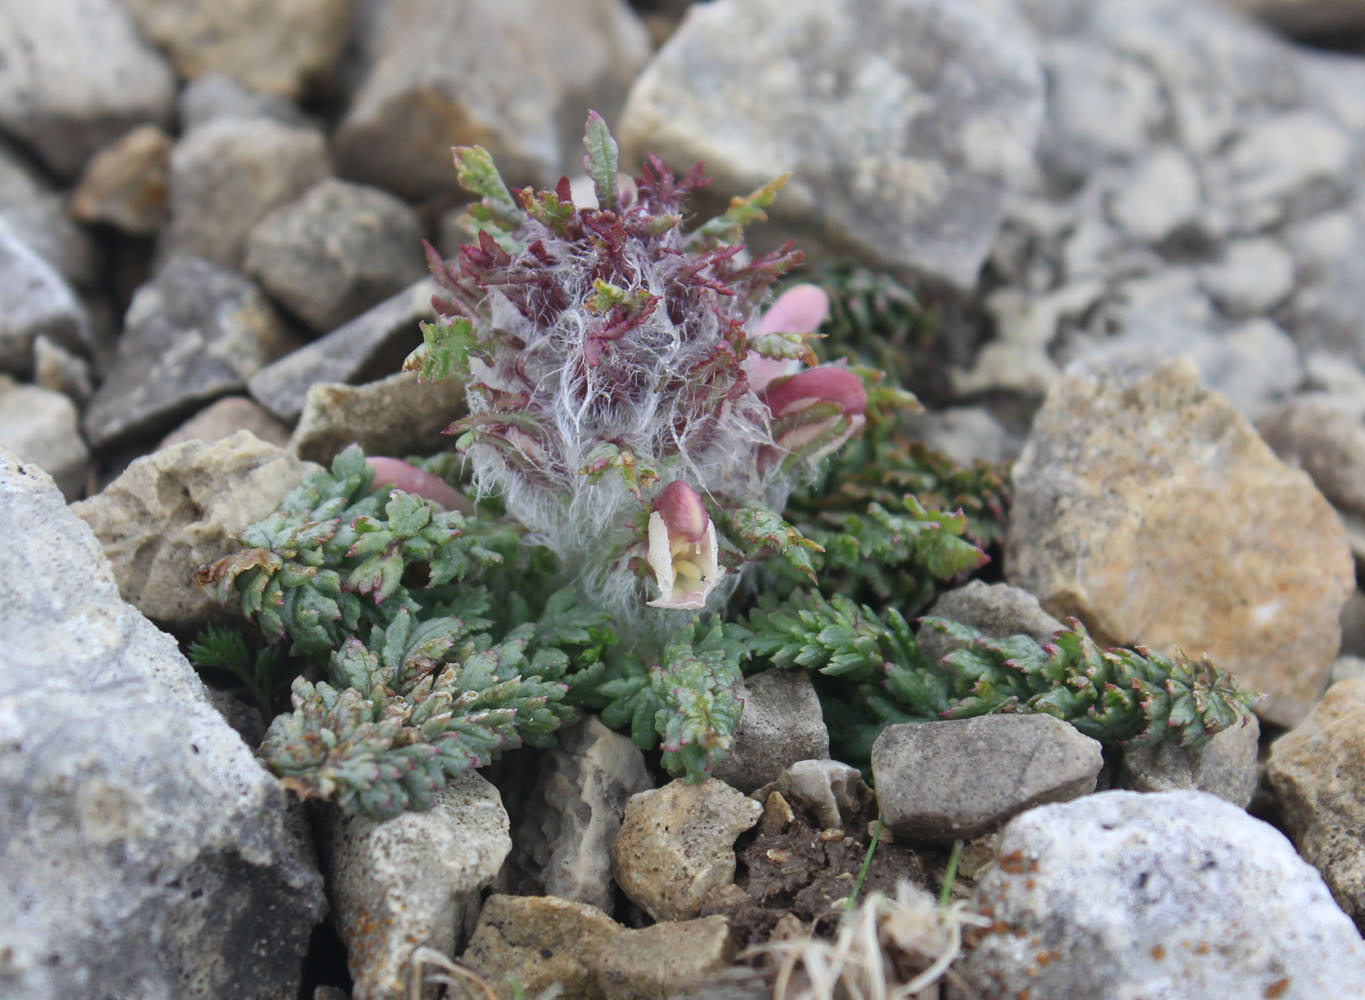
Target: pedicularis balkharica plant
{"type": "Point", "coordinates": [655, 488]}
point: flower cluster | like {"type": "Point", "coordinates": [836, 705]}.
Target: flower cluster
{"type": "Point", "coordinates": [622, 385]}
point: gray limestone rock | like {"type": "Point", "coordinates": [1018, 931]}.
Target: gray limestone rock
{"type": "Point", "coordinates": [177, 509]}
{"type": "Point", "coordinates": [1252, 277]}
{"type": "Point", "coordinates": [781, 724]}
{"type": "Point", "coordinates": [997, 609]}
{"type": "Point", "coordinates": [228, 174]}
{"type": "Point", "coordinates": [274, 46]}
{"type": "Point", "coordinates": [413, 880]}
{"type": "Point", "coordinates": [143, 850]}
{"type": "Point", "coordinates": [831, 791]}
{"type": "Point", "coordinates": [335, 252]}
{"type": "Point", "coordinates": [372, 345]}
{"type": "Point", "coordinates": [215, 95]}
{"type": "Point", "coordinates": [946, 781]}
{"type": "Point", "coordinates": [565, 826]}
{"type": "Point", "coordinates": [398, 415]}
{"type": "Point", "coordinates": [903, 123]}
{"type": "Point", "coordinates": [40, 426]}
{"type": "Point", "coordinates": [77, 76]}
{"type": "Point", "coordinates": [37, 302]}
{"type": "Point", "coordinates": [433, 81]}
{"type": "Point", "coordinates": [226, 417]}
{"type": "Point", "coordinates": [676, 842]}
{"type": "Point", "coordinates": [1224, 766]}
{"type": "Point", "coordinates": [1175, 894]}
{"type": "Point", "coordinates": [194, 332]}
{"type": "Point", "coordinates": [37, 212]}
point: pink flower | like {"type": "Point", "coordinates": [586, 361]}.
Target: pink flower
{"type": "Point", "coordinates": [827, 429]}
{"type": "Point", "coordinates": [800, 309]}
{"type": "Point", "coordinates": [682, 548]}
{"type": "Point", "coordinates": [410, 479]}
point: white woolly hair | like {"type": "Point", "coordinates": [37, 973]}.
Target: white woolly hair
{"type": "Point", "coordinates": [589, 521]}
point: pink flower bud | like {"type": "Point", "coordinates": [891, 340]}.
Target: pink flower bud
{"type": "Point", "coordinates": [826, 384]}
{"type": "Point", "coordinates": [800, 309]}
{"type": "Point", "coordinates": [410, 479]}
{"type": "Point", "coordinates": [682, 548]}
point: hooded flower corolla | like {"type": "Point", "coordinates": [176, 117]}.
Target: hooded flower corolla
{"type": "Point", "coordinates": [816, 410]}
{"type": "Point", "coordinates": [682, 548]}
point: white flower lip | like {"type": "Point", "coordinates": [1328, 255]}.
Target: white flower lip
{"type": "Point", "coordinates": [682, 549]}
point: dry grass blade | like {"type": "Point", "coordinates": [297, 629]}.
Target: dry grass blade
{"type": "Point", "coordinates": [451, 974]}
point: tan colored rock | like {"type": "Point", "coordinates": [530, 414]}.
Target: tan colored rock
{"type": "Point", "coordinates": [413, 880]}
{"type": "Point", "coordinates": [275, 46]}
{"type": "Point", "coordinates": [676, 842]}
{"type": "Point", "coordinates": [397, 415]}
{"type": "Point", "coordinates": [175, 510]}
{"type": "Point", "coordinates": [1318, 773]}
{"type": "Point", "coordinates": [1146, 506]}
{"type": "Point", "coordinates": [124, 185]}
{"type": "Point", "coordinates": [539, 942]}
{"type": "Point", "coordinates": [226, 417]}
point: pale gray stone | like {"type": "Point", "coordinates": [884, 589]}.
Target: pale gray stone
{"type": "Point", "coordinates": [226, 417]}
{"type": "Point", "coordinates": [195, 332]}
{"type": "Point", "coordinates": [1174, 894]}
{"type": "Point", "coordinates": [1346, 668]}
{"type": "Point", "coordinates": [997, 609]}
{"type": "Point", "coordinates": [677, 842]}
{"type": "Point", "coordinates": [37, 302]}
{"type": "Point", "coordinates": [372, 345]}
{"type": "Point", "coordinates": [228, 174]}
{"type": "Point", "coordinates": [433, 81]}
{"type": "Point", "coordinates": [143, 850]}
{"type": "Point", "coordinates": [41, 426]}
{"type": "Point", "coordinates": [1252, 276]}
{"type": "Point", "coordinates": [831, 791]}
{"type": "Point", "coordinates": [215, 95]}
{"type": "Point", "coordinates": [565, 826]}
{"type": "Point", "coordinates": [1224, 766]}
{"type": "Point", "coordinates": [280, 47]}
{"type": "Point", "coordinates": [76, 77]}
{"type": "Point", "coordinates": [336, 251]}
{"type": "Point", "coordinates": [1322, 434]}
{"type": "Point", "coordinates": [781, 724]}
{"type": "Point", "coordinates": [180, 508]}
{"type": "Point", "coordinates": [413, 880]}
{"type": "Point", "coordinates": [56, 368]}
{"type": "Point", "coordinates": [965, 434]}
{"type": "Point", "coordinates": [37, 213]}
{"type": "Point", "coordinates": [398, 415]}
{"type": "Point", "coordinates": [903, 123]}
{"type": "Point", "coordinates": [1160, 195]}
{"type": "Point", "coordinates": [956, 780]}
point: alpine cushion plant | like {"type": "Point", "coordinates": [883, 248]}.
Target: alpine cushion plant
{"type": "Point", "coordinates": [642, 440]}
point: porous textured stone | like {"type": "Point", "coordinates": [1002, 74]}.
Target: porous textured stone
{"type": "Point", "coordinates": [566, 824]}
{"type": "Point", "coordinates": [903, 123]}
{"type": "Point", "coordinates": [41, 426]}
{"type": "Point", "coordinates": [413, 880]}
{"type": "Point", "coordinates": [677, 842]}
{"type": "Point", "coordinates": [1317, 770]}
{"type": "Point", "coordinates": [543, 942]}
{"type": "Point", "coordinates": [781, 724]}
{"type": "Point", "coordinates": [398, 415]}
{"type": "Point", "coordinates": [335, 251]}
{"type": "Point", "coordinates": [1123, 894]}
{"type": "Point", "coordinates": [275, 46]}
{"type": "Point", "coordinates": [946, 781]}
{"type": "Point", "coordinates": [372, 345]}
{"type": "Point", "coordinates": [143, 850]}
{"type": "Point", "coordinates": [77, 76]}
{"type": "Point", "coordinates": [1147, 507]}
{"type": "Point", "coordinates": [228, 174]}
{"type": "Point", "coordinates": [177, 509]}
{"type": "Point", "coordinates": [432, 81]}
{"type": "Point", "coordinates": [195, 332]}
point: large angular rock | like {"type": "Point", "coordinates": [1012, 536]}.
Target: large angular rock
{"type": "Point", "coordinates": [76, 77]}
{"type": "Point", "coordinates": [1318, 773]}
{"type": "Point", "coordinates": [196, 331]}
{"type": "Point", "coordinates": [946, 781]}
{"type": "Point", "coordinates": [903, 123]}
{"type": "Point", "coordinates": [398, 415]}
{"type": "Point", "coordinates": [372, 345]}
{"type": "Point", "coordinates": [275, 46]}
{"type": "Point", "coordinates": [177, 509]}
{"type": "Point", "coordinates": [781, 724]}
{"type": "Point", "coordinates": [40, 426]}
{"type": "Point", "coordinates": [336, 251]}
{"type": "Point", "coordinates": [37, 303]}
{"type": "Point", "coordinates": [434, 81]}
{"type": "Point", "coordinates": [229, 174]}
{"type": "Point", "coordinates": [1147, 507]}
{"type": "Point", "coordinates": [413, 880]}
{"type": "Point", "coordinates": [1122, 894]}
{"type": "Point", "coordinates": [37, 213]}
{"type": "Point", "coordinates": [143, 851]}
